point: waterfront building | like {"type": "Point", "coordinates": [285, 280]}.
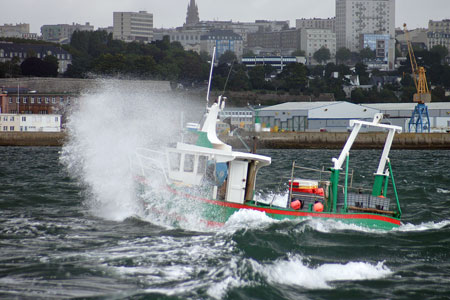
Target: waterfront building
{"type": "Point", "coordinates": [30, 123]}
{"type": "Point", "coordinates": [235, 117]}
{"type": "Point", "coordinates": [62, 33]}
{"type": "Point", "coordinates": [223, 40]}
{"type": "Point", "coordinates": [21, 31]}
{"type": "Point", "coordinates": [356, 17]}
{"type": "Point", "coordinates": [282, 42]}
{"type": "Point", "coordinates": [32, 102]}
{"type": "Point", "coordinates": [133, 26]}
{"type": "Point", "coordinates": [335, 116]}
{"type": "Point", "coordinates": [10, 50]}
{"type": "Point", "coordinates": [314, 39]}
{"type": "Point", "coordinates": [278, 62]}
{"type": "Point", "coordinates": [316, 23]}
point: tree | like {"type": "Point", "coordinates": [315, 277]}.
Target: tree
{"type": "Point", "coordinates": [228, 57]}
{"type": "Point", "coordinates": [257, 77]}
{"type": "Point", "coordinates": [343, 55]}
{"type": "Point", "coordinates": [440, 50]}
{"type": "Point", "coordinates": [361, 71]}
{"type": "Point", "coordinates": [367, 54]}
{"type": "Point", "coordinates": [298, 52]}
{"type": "Point", "coordinates": [322, 55]}
{"type": "Point", "coordinates": [34, 66]}
{"type": "Point", "coordinates": [51, 65]}
{"type": "Point", "coordinates": [294, 76]}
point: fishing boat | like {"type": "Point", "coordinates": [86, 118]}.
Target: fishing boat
{"type": "Point", "coordinates": [203, 177]}
{"type": "Point", "coordinates": [207, 177]}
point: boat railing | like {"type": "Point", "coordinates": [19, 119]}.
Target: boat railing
{"type": "Point", "coordinates": [148, 162]}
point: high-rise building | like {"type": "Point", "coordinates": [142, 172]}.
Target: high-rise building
{"type": "Point", "coordinates": [316, 23]}
{"type": "Point", "coordinates": [192, 17]}
{"type": "Point", "coordinates": [61, 33]}
{"type": "Point", "coordinates": [357, 17]}
{"type": "Point", "coordinates": [133, 26]}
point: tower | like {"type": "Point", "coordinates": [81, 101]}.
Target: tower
{"type": "Point", "coordinates": [192, 14]}
{"type": "Point", "coordinates": [356, 17]}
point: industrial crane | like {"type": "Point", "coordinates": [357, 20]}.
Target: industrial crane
{"type": "Point", "coordinates": [420, 119]}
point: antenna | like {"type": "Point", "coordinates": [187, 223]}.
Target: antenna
{"type": "Point", "coordinates": [210, 75]}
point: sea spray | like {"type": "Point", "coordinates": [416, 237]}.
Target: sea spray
{"type": "Point", "coordinates": [104, 130]}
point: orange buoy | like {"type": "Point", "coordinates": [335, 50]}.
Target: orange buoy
{"type": "Point", "coordinates": [318, 207]}
{"type": "Point", "coordinates": [296, 204]}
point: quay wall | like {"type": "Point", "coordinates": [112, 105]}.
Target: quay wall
{"type": "Point", "coordinates": [336, 140]}
{"type": "Point", "coordinates": [32, 138]}
{"type": "Point", "coordinates": [297, 140]}
{"type": "Point", "coordinates": [77, 86]}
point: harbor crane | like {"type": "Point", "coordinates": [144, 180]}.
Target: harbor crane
{"type": "Point", "coordinates": [420, 120]}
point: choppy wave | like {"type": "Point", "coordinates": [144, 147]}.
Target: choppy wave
{"type": "Point", "coordinates": [296, 272]}
{"type": "Point", "coordinates": [423, 226]}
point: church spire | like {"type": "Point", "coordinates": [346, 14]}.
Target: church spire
{"type": "Point", "coordinates": [192, 14]}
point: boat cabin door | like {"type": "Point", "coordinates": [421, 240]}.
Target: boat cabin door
{"type": "Point", "coordinates": [237, 180]}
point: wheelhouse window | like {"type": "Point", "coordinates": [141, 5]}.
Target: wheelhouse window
{"type": "Point", "coordinates": [201, 169]}
{"type": "Point", "coordinates": [189, 162]}
{"type": "Point", "coordinates": [174, 161]}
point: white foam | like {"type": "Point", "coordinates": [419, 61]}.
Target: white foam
{"type": "Point", "coordinates": [247, 219]}
{"type": "Point", "coordinates": [295, 272]}
{"type": "Point", "coordinates": [423, 226]}
{"type": "Point", "coordinates": [276, 199]}
{"type": "Point", "coordinates": [104, 130]}
{"type": "Point", "coordinates": [328, 225]}
{"type": "Point", "coordinates": [442, 191]}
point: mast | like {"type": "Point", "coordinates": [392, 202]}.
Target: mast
{"type": "Point", "coordinates": [210, 76]}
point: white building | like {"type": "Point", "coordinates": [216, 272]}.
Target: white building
{"type": "Point", "coordinates": [316, 23]}
{"type": "Point", "coordinates": [21, 30]}
{"type": "Point", "coordinates": [62, 33]}
{"type": "Point", "coordinates": [356, 17]}
{"type": "Point", "coordinates": [335, 116]}
{"type": "Point", "coordinates": [237, 118]}
{"type": "Point", "coordinates": [331, 116]}
{"type": "Point", "coordinates": [188, 38]}
{"type": "Point", "coordinates": [133, 26]}
{"type": "Point", "coordinates": [314, 39]}
{"type": "Point", "coordinates": [30, 122]}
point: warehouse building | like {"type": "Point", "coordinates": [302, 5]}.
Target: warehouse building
{"type": "Point", "coordinates": [335, 116]}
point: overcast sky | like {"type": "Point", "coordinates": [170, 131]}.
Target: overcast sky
{"type": "Point", "coordinates": [172, 13]}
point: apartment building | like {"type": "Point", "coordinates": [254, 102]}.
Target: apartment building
{"type": "Point", "coordinates": [62, 33]}
{"type": "Point", "coordinates": [30, 123]}
{"type": "Point", "coordinates": [133, 26]}
{"type": "Point", "coordinates": [356, 17]}
{"type": "Point", "coordinates": [21, 31]}
{"type": "Point", "coordinates": [316, 23]}
{"type": "Point", "coordinates": [314, 39]}
{"type": "Point", "coordinates": [282, 42]}
{"type": "Point", "coordinates": [438, 33]}
{"type": "Point", "coordinates": [223, 40]}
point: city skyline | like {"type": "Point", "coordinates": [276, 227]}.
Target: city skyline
{"type": "Point", "coordinates": [172, 13]}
